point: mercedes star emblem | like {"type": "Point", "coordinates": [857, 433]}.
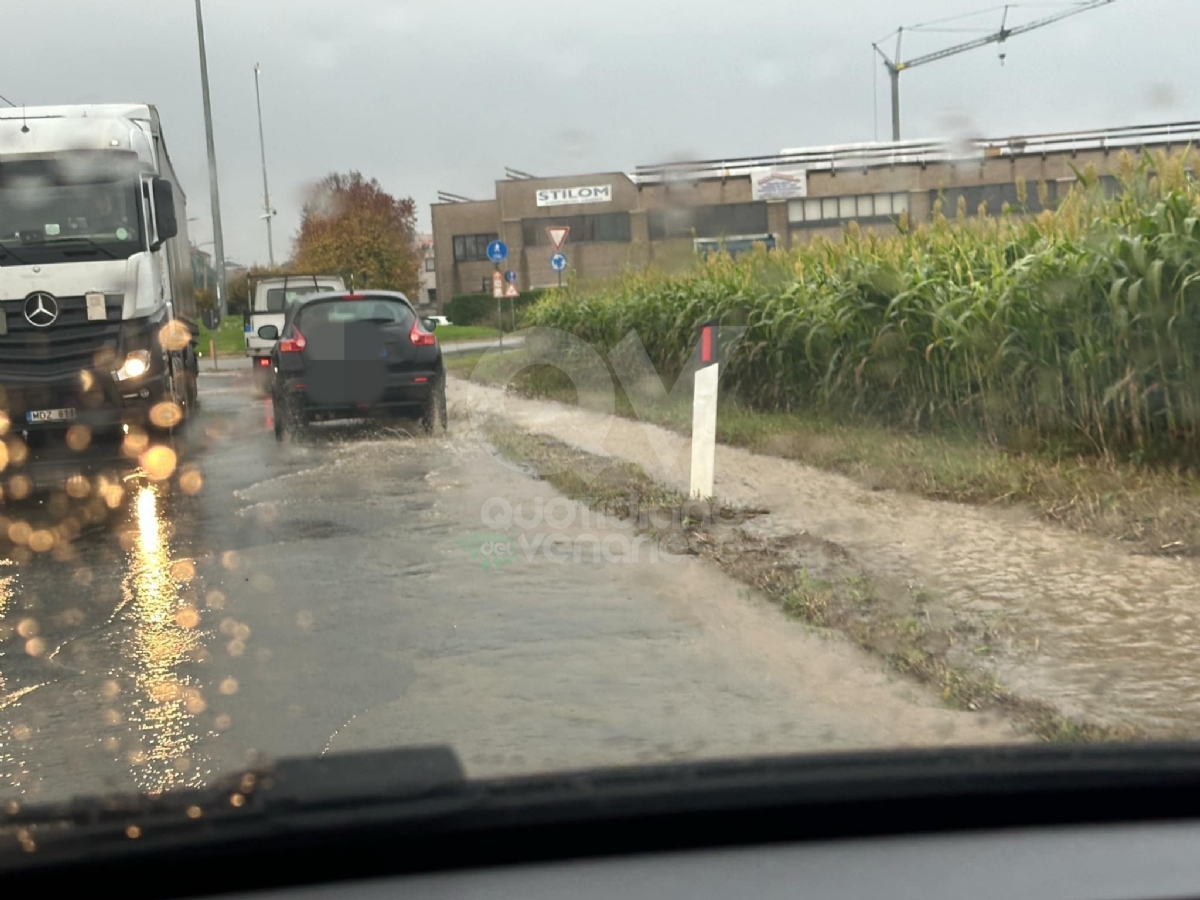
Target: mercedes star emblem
{"type": "Point", "coordinates": [41, 310]}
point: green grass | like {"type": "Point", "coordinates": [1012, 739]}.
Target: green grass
{"type": "Point", "coordinates": [450, 333]}
{"type": "Point", "coordinates": [231, 339]}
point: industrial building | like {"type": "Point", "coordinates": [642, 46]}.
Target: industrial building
{"type": "Point", "coordinates": [663, 215]}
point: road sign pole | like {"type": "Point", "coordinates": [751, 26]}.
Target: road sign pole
{"type": "Point", "coordinates": [497, 251]}
{"type": "Point", "coordinates": [500, 311]}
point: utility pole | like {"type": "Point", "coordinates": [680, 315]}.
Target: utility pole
{"type": "Point", "coordinates": [214, 192]}
{"type": "Point", "coordinates": [268, 212]}
{"type": "Point", "coordinates": [895, 65]}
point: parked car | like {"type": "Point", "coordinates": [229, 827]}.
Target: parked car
{"type": "Point", "coordinates": [352, 356]}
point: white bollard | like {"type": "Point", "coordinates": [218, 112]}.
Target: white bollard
{"type": "Point", "coordinates": [704, 432]}
{"type": "Point", "coordinates": [704, 415]}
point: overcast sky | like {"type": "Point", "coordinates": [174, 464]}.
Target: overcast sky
{"type": "Point", "coordinates": [436, 94]}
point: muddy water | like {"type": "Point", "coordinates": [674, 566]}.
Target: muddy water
{"type": "Point", "coordinates": [1079, 622]}
{"type": "Point", "coordinates": [555, 655]}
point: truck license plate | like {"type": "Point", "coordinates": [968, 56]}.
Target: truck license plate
{"type": "Point", "coordinates": [50, 415]}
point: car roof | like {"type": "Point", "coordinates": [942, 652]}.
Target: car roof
{"type": "Point", "coordinates": [308, 299]}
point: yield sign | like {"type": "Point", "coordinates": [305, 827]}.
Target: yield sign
{"type": "Point", "coordinates": [511, 291]}
{"type": "Point", "coordinates": [558, 235]}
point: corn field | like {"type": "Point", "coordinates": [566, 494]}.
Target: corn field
{"type": "Point", "coordinates": [1077, 329]}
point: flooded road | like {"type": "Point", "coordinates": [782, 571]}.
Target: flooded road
{"type": "Point", "coordinates": [345, 592]}
{"type": "Point", "coordinates": [1076, 621]}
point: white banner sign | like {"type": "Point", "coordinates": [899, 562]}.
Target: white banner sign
{"type": "Point", "coordinates": [565, 196]}
{"type": "Point", "coordinates": [779, 184]}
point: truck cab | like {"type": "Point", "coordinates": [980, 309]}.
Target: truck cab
{"type": "Point", "coordinates": [97, 318]}
{"type": "Point", "coordinates": [273, 297]}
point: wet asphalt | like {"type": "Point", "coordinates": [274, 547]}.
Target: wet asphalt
{"type": "Point", "coordinates": [342, 592]}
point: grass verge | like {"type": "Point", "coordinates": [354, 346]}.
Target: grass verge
{"type": "Point", "coordinates": [230, 337]}
{"type": "Point", "coordinates": [1153, 510]}
{"type": "Point", "coordinates": [816, 582]}
{"type": "Point", "coordinates": [448, 334]}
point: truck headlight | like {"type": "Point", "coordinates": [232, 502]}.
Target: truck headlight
{"type": "Point", "coordinates": [137, 364]}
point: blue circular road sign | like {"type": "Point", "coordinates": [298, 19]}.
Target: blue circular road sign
{"type": "Point", "coordinates": [558, 262]}
{"type": "Point", "coordinates": [497, 251]}
{"type": "Point", "coordinates": [510, 276]}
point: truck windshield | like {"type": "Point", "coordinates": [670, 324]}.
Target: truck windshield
{"type": "Point", "coordinates": [280, 300]}
{"type": "Point", "coordinates": [50, 212]}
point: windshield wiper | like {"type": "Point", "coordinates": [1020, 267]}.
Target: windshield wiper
{"type": "Point", "coordinates": [77, 237]}
{"type": "Point", "coordinates": [6, 251]}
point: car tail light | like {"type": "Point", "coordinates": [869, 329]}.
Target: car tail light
{"type": "Point", "coordinates": [355, 297]}
{"type": "Point", "coordinates": [294, 344]}
{"type": "Point", "coordinates": [420, 337]}
{"type": "Point", "coordinates": [264, 361]}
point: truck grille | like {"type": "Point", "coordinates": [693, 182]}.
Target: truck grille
{"type": "Point", "coordinates": [66, 347]}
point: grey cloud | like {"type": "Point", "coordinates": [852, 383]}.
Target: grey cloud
{"type": "Point", "coordinates": [429, 95]}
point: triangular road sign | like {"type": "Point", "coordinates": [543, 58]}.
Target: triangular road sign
{"type": "Point", "coordinates": [558, 235]}
{"type": "Point", "coordinates": [511, 291]}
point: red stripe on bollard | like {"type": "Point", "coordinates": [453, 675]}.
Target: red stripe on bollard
{"type": "Point", "coordinates": [706, 344]}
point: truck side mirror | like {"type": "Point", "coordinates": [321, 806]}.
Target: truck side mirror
{"type": "Point", "coordinates": [164, 210]}
{"type": "Point", "coordinates": [430, 325]}
{"type": "Point", "coordinates": [269, 333]}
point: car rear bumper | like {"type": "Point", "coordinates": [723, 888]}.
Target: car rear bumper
{"type": "Point", "coordinates": [404, 394]}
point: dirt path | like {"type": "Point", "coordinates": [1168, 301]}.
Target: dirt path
{"type": "Point", "coordinates": [1079, 622]}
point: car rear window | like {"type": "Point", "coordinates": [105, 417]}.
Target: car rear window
{"type": "Point", "coordinates": [281, 300]}
{"type": "Point", "coordinates": [369, 309]}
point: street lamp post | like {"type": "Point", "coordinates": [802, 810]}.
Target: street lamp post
{"type": "Point", "coordinates": [214, 192]}
{"type": "Point", "coordinates": [268, 213]}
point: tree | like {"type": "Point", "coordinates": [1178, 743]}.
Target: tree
{"type": "Point", "coordinates": [239, 284]}
{"type": "Point", "coordinates": [352, 227]}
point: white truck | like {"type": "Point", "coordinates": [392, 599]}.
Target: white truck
{"type": "Point", "coordinates": [97, 318]}
{"type": "Point", "coordinates": [273, 297]}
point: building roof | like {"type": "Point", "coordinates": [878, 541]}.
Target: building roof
{"type": "Point", "coordinates": [921, 152]}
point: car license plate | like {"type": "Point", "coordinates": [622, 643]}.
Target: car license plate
{"type": "Point", "coordinates": [50, 415]}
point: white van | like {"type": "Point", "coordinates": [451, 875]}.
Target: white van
{"type": "Point", "coordinates": [273, 297]}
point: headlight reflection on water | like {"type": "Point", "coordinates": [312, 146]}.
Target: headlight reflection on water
{"type": "Point", "coordinates": [152, 712]}
{"type": "Point", "coordinates": [165, 703]}
{"type": "Point", "coordinates": [14, 769]}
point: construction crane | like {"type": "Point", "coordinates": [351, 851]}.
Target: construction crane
{"type": "Point", "coordinates": [895, 65]}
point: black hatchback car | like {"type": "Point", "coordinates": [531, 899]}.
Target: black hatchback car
{"type": "Point", "coordinates": [353, 356]}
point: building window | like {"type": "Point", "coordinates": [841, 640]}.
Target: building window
{"type": "Point", "coordinates": [735, 246]}
{"type": "Point", "coordinates": [707, 221]}
{"type": "Point", "coordinates": [833, 210]}
{"type": "Point", "coordinates": [430, 264]}
{"type": "Point", "coordinates": [603, 228]}
{"type": "Point", "coordinates": [432, 293]}
{"type": "Point", "coordinates": [472, 247]}
{"type": "Point", "coordinates": [996, 196]}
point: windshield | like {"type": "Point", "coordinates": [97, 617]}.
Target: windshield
{"type": "Point", "coordinates": [52, 212]}
{"type": "Point", "coordinates": [281, 299]}
{"type": "Point", "coordinates": [781, 402]}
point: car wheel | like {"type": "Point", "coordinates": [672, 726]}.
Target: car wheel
{"type": "Point", "coordinates": [433, 411]}
{"type": "Point", "coordinates": [279, 414]}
